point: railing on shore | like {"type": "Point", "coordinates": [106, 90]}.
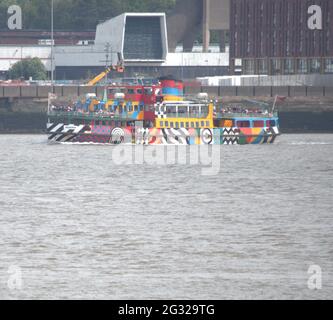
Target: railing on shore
{"type": "Point", "coordinates": [65, 91]}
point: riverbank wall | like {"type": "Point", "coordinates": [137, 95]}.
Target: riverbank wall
{"type": "Point", "coordinates": [307, 110]}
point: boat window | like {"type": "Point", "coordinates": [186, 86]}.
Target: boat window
{"type": "Point", "coordinates": [135, 108]}
{"type": "Point", "coordinates": [166, 123]}
{"type": "Point", "coordinates": [182, 124]}
{"type": "Point", "coordinates": [170, 109]}
{"type": "Point", "coordinates": [270, 123]}
{"type": "Point", "coordinates": [192, 124]}
{"type": "Point", "coordinates": [130, 91]}
{"type": "Point", "coordinates": [171, 124]}
{"type": "Point", "coordinates": [148, 91]}
{"type": "Point", "coordinates": [139, 91]}
{"type": "Point", "coordinates": [161, 124]}
{"type": "Point", "coordinates": [182, 110]}
{"type": "Point", "coordinates": [130, 108]}
{"type": "Point", "coordinates": [177, 125]}
{"type": "Point", "coordinates": [258, 124]}
{"type": "Point", "coordinates": [113, 90]}
{"type": "Point", "coordinates": [243, 124]}
{"type": "Point", "coordinates": [202, 123]}
{"type": "Point", "coordinates": [227, 123]}
{"type": "Point", "coordinates": [197, 124]}
{"type": "Point", "coordinates": [187, 125]}
{"type": "Point", "coordinates": [207, 123]}
{"type": "Point", "coordinates": [204, 109]}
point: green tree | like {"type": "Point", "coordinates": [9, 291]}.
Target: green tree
{"type": "Point", "coordinates": [32, 67]}
{"type": "Point", "coordinates": [77, 14]}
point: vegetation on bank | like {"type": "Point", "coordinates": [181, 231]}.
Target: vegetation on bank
{"type": "Point", "coordinates": [77, 14]}
{"type": "Point", "coordinates": [28, 68]}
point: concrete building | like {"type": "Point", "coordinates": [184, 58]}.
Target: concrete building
{"type": "Point", "coordinates": [139, 37]}
{"type": "Point", "coordinates": [40, 37]}
{"type": "Point", "coordinates": [141, 40]}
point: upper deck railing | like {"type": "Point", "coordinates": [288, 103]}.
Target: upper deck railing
{"type": "Point", "coordinates": [117, 116]}
{"type": "Point", "coordinates": [128, 116]}
{"type": "Point", "coordinates": [90, 116]}
{"type": "Point", "coordinates": [232, 115]}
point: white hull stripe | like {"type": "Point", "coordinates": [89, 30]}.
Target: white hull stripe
{"type": "Point", "coordinates": [57, 128]}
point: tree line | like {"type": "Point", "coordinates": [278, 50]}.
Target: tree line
{"type": "Point", "coordinates": [77, 14]}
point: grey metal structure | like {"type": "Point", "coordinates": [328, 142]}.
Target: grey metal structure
{"type": "Point", "coordinates": [137, 36]}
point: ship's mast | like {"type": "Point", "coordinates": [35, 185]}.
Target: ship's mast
{"type": "Point", "coordinates": [52, 42]}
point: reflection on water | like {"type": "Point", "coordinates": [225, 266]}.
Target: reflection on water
{"type": "Point", "coordinates": [78, 226]}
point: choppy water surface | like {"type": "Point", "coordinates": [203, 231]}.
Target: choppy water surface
{"type": "Point", "coordinates": [76, 225]}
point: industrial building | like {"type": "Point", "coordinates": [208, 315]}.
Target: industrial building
{"type": "Point", "coordinates": [281, 37]}
{"type": "Point", "coordinates": [141, 39]}
{"type": "Point", "coordinates": [255, 37]}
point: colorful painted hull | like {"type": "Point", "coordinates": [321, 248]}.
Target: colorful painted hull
{"type": "Point", "coordinates": [62, 133]}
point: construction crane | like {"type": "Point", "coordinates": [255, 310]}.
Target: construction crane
{"type": "Point", "coordinates": [119, 68]}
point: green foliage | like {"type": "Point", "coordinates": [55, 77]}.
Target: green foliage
{"type": "Point", "coordinates": [78, 14]}
{"type": "Point", "coordinates": [27, 68]}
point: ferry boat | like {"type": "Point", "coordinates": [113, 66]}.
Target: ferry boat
{"type": "Point", "coordinates": [157, 113]}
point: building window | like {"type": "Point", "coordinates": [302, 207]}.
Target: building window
{"type": "Point", "coordinates": [263, 66]}
{"type": "Point", "coordinates": [249, 67]}
{"type": "Point", "coordinates": [289, 66]}
{"type": "Point", "coordinates": [276, 66]}
{"type": "Point", "coordinates": [314, 66]}
{"type": "Point", "coordinates": [302, 66]}
{"type": "Point", "coordinates": [329, 65]}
